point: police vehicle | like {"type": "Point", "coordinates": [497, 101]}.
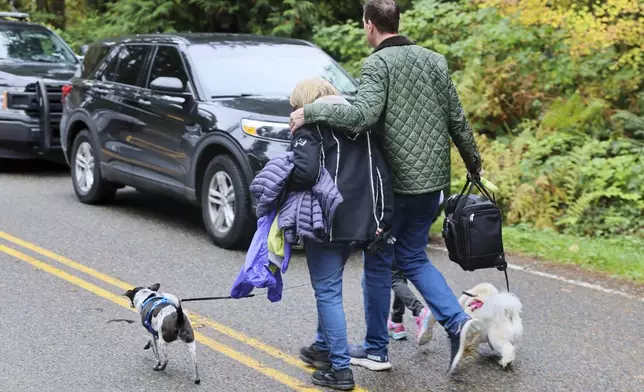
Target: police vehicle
{"type": "Point", "coordinates": [35, 68]}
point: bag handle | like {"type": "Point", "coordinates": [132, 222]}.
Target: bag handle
{"type": "Point", "coordinates": [479, 184]}
{"type": "Point", "coordinates": [472, 183]}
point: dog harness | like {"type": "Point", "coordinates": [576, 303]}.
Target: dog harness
{"type": "Point", "coordinates": [151, 307]}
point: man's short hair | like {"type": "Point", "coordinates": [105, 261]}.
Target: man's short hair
{"type": "Point", "coordinates": [384, 14]}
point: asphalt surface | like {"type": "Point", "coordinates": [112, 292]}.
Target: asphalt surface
{"type": "Point", "coordinates": [65, 328]}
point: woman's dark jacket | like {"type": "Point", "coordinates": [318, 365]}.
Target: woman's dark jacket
{"type": "Point", "coordinates": [358, 169]}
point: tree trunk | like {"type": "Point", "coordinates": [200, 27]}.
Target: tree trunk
{"type": "Point", "coordinates": [41, 5]}
{"type": "Point", "coordinates": [58, 9]}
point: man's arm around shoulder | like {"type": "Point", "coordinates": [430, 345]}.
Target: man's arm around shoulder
{"type": "Point", "coordinates": [367, 108]}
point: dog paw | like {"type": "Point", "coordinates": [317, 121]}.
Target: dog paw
{"type": "Point", "coordinates": [157, 367]}
{"type": "Point", "coordinates": [508, 366]}
{"type": "Point", "coordinates": [197, 382]}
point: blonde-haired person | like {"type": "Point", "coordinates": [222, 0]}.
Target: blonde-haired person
{"type": "Point", "coordinates": [360, 173]}
{"type": "Point", "coordinates": [307, 91]}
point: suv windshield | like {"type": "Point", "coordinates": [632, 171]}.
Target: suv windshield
{"type": "Point", "coordinates": [32, 44]}
{"type": "Point", "coordinates": [264, 69]}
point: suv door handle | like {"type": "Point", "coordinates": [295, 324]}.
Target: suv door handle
{"type": "Point", "coordinates": [144, 102]}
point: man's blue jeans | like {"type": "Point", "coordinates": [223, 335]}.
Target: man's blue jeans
{"type": "Point", "coordinates": [413, 216]}
{"type": "Point", "coordinates": [326, 262]}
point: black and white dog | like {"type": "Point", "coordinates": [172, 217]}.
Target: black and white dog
{"type": "Point", "coordinates": [162, 316]}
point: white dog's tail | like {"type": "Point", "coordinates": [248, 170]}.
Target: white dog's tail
{"type": "Point", "coordinates": [177, 304]}
{"type": "Point", "coordinates": [500, 306]}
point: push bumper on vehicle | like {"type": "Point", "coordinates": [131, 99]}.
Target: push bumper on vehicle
{"type": "Point", "coordinates": [34, 134]}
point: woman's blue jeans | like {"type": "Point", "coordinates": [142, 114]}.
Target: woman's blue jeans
{"type": "Point", "coordinates": [326, 266]}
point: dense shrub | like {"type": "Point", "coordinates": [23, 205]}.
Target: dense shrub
{"type": "Point", "coordinates": [559, 117]}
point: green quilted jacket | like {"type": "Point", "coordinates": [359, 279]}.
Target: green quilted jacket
{"type": "Point", "coordinates": [407, 99]}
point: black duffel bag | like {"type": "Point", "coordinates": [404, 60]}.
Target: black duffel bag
{"type": "Point", "coordinates": [472, 229]}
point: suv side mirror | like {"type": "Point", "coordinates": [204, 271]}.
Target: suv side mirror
{"type": "Point", "coordinates": [167, 85]}
{"type": "Point", "coordinates": [84, 49]}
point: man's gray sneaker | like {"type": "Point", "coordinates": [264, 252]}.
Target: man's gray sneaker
{"type": "Point", "coordinates": [375, 362]}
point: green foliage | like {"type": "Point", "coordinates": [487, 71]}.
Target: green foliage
{"type": "Point", "coordinates": [567, 180]}
{"type": "Point", "coordinates": [346, 43]}
{"type": "Point", "coordinates": [618, 256]}
{"type": "Point", "coordinates": [560, 134]}
{"type": "Point", "coordinates": [293, 18]}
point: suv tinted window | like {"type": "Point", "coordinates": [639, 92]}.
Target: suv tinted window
{"type": "Point", "coordinates": [106, 71]}
{"type": "Point", "coordinates": [131, 59]}
{"type": "Point", "coordinates": [93, 58]}
{"type": "Point", "coordinates": [265, 69]}
{"type": "Point", "coordinates": [167, 62]}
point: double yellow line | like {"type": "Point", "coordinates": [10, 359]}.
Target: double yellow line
{"type": "Point", "coordinates": [251, 362]}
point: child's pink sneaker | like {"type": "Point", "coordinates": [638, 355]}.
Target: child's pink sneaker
{"type": "Point", "coordinates": [424, 331]}
{"type": "Point", "coordinates": [396, 330]}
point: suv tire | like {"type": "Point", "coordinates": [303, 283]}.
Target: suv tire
{"type": "Point", "coordinates": [89, 185]}
{"type": "Point", "coordinates": [225, 203]}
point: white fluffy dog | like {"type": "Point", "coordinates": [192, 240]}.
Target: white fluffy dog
{"type": "Point", "coordinates": [499, 313]}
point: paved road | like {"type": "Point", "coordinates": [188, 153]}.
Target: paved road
{"type": "Point", "coordinates": [64, 265]}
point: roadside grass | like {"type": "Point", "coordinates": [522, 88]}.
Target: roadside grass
{"type": "Point", "coordinates": [619, 257]}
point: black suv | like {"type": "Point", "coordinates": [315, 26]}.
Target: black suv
{"type": "Point", "coordinates": [190, 115]}
{"type": "Point", "coordinates": [35, 64]}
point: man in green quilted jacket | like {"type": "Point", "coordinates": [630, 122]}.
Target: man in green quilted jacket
{"type": "Point", "coordinates": [407, 100]}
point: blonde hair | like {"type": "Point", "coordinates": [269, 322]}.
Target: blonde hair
{"type": "Point", "coordinates": [309, 90]}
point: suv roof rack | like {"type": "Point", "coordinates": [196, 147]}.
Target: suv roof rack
{"type": "Point", "coordinates": [14, 15]}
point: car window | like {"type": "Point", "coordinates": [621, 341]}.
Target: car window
{"type": "Point", "coordinates": [167, 62]}
{"type": "Point", "coordinates": [93, 58]}
{"type": "Point", "coordinates": [274, 69]}
{"type": "Point", "coordinates": [106, 71]}
{"type": "Point", "coordinates": [32, 44]}
{"type": "Point", "coordinates": [131, 61]}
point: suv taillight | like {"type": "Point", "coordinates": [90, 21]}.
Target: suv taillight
{"type": "Point", "coordinates": [66, 90]}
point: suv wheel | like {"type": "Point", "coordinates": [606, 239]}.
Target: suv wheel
{"type": "Point", "coordinates": [89, 185]}
{"type": "Point", "coordinates": [225, 203]}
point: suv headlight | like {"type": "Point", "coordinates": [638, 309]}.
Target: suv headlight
{"type": "Point", "coordinates": [267, 130]}
{"type": "Point", "coordinates": [3, 99]}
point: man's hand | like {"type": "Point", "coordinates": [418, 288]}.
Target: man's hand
{"type": "Point", "coordinates": [475, 176]}
{"type": "Point", "coordinates": [297, 119]}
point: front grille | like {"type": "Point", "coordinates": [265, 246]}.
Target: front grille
{"type": "Point", "coordinates": [54, 95]}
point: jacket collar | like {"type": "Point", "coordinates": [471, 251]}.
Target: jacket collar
{"type": "Point", "coordinates": [396, 40]}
